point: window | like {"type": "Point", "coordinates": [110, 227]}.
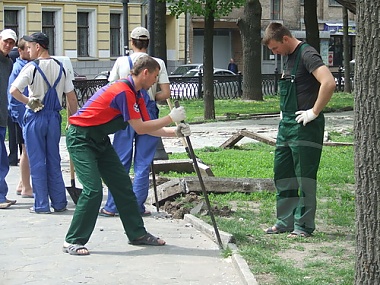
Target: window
{"type": "Point", "coordinates": [48, 27]}
{"type": "Point", "coordinates": [83, 34]}
{"type": "Point", "coordinates": [115, 35]}
{"type": "Point", "coordinates": [11, 20]}
{"type": "Point", "coordinates": [276, 10]}
{"type": "Point", "coordinates": [333, 3]}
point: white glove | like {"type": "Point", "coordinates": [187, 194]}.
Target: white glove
{"type": "Point", "coordinates": [183, 130]}
{"type": "Point", "coordinates": [35, 105]}
{"type": "Point", "coordinates": [305, 116]}
{"type": "Point", "coordinates": [178, 114]}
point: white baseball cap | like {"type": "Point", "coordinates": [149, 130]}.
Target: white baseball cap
{"type": "Point", "coordinates": [8, 34]}
{"type": "Point", "coordinates": [140, 33]}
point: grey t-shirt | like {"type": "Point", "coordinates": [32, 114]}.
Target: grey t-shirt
{"type": "Point", "coordinates": [307, 85]}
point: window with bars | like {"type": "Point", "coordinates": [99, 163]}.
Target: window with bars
{"type": "Point", "coordinates": [115, 34]}
{"type": "Point", "coordinates": [48, 27]}
{"type": "Point", "coordinates": [276, 10]}
{"type": "Point", "coordinates": [11, 20]}
{"type": "Point", "coordinates": [83, 34]}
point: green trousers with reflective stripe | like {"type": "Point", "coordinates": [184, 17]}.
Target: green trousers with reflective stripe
{"type": "Point", "coordinates": [297, 157]}
{"type": "Point", "coordinates": [95, 161]}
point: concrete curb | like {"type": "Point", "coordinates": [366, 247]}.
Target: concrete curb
{"type": "Point", "coordinates": [227, 240]}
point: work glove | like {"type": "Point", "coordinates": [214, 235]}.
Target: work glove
{"type": "Point", "coordinates": [35, 105]}
{"type": "Point", "coordinates": [183, 130]}
{"type": "Point", "coordinates": [178, 114]}
{"type": "Point", "coordinates": [305, 116]}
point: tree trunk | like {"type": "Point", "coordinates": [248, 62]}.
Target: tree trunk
{"type": "Point", "coordinates": [208, 64]}
{"type": "Point", "coordinates": [160, 31]}
{"type": "Point", "coordinates": [311, 24]}
{"type": "Point", "coordinates": [367, 146]}
{"type": "Point", "coordinates": [250, 28]}
{"type": "Point", "coordinates": [346, 52]}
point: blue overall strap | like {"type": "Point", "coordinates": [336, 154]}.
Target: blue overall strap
{"type": "Point", "coordinates": [44, 76]}
{"type": "Point", "coordinates": [130, 63]}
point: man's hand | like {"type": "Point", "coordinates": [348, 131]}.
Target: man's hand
{"type": "Point", "coordinates": [178, 114]}
{"type": "Point", "coordinates": [305, 116]}
{"type": "Point", "coordinates": [183, 130]}
{"type": "Point", "coordinates": [35, 105]}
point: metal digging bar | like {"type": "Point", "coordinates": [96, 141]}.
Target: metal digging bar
{"type": "Point", "coordinates": [196, 167]}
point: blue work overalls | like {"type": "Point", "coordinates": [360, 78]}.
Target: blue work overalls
{"type": "Point", "coordinates": [42, 133]}
{"type": "Point", "coordinates": [144, 150]}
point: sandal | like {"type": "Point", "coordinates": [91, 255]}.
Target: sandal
{"type": "Point", "coordinates": [299, 233]}
{"type": "Point", "coordinates": [73, 249]}
{"type": "Point", "coordinates": [271, 231]}
{"type": "Point", "coordinates": [105, 213]}
{"type": "Point", "coordinates": [146, 213]}
{"type": "Point", "coordinates": [147, 239]}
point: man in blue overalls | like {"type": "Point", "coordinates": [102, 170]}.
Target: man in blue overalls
{"type": "Point", "coordinates": [305, 88]}
{"type": "Point", "coordinates": [127, 143]}
{"type": "Point", "coordinates": [47, 82]}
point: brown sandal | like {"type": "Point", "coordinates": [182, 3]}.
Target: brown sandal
{"type": "Point", "coordinates": [147, 239]}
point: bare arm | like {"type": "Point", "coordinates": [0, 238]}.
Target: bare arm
{"type": "Point", "coordinates": [153, 127]}
{"type": "Point", "coordinates": [326, 90]}
{"type": "Point", "coordinates": [72, 102]}
{"type": "Point", "coordinates": [164, 93]}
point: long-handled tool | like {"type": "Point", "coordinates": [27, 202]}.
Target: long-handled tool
{"type": "Point", "coordinates": [204, 191]}
{"type": "Point", "coordinates": [74, 192]}
{"type": "Point", "coordinates": [154, 185]}
{"type": "Point", "coordinates": [183, 139]}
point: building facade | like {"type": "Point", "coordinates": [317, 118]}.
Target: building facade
{"type": "Point", "coordinates": [89, 32]}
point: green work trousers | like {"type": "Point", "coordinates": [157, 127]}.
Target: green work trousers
{"type": "Point", "coordinates": [95, 161]}
{"type": "Point", "coordinates": [297, 157]}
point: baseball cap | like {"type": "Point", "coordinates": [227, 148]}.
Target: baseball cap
{"type": "Point", "coordinates": [8, 34]}
{"type": "Point", "coordinates": [39, 38]}
{"type": "Point", "coordinates": [140, 33]}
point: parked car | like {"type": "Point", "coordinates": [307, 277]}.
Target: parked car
{"type": "Point", "coordinates": [184, 68]}
{"type": "Point", "coordinates": [226, 84]}
{"type": "Point", "coordinates": [103, 75]}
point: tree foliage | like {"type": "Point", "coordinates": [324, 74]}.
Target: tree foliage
{"type": "Point", "coordinates": [210, 10]}
{"type": "Point", "coordinates": [218, 8]}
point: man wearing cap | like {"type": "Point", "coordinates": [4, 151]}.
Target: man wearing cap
{"type": "Point", "coordinates": [47, 81]}
{"type": "Point", "coordinates": [144, 145]}
{"type": "Point", "coordinates": [8, 40]}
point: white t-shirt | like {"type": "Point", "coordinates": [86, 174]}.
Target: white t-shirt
{"type": "Point", "coordinates": [39, 88]}
{"type": "Point", "coordinates": [121, 69]}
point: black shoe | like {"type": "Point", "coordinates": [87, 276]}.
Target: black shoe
{"type": "Point", "coordinates": [13, 163]}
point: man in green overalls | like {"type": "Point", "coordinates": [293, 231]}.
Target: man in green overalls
{"type": "Point", "coordinates": [306, 87]}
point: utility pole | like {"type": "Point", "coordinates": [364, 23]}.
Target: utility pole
{"type": "Point", "coordinates": [151, 20]}
{"type": "Point", "coordinates": [125, 26]}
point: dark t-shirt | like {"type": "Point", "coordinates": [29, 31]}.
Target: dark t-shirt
{"type": "Point", "coordinates": [307, 85]}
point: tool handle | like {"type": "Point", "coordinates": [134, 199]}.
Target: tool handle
{"type": "Point", "coordinates": [176, 104]}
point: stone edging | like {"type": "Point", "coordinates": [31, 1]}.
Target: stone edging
{"type": "Point", "coordinates": [238, 261]}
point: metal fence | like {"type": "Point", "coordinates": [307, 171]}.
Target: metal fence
{"type": "Point", "coordinates": [184, 88]}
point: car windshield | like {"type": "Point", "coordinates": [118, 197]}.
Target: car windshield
{"type": "Point", "coordinates": [183, 69]}
{"type": "Point", "coordinates": [191, 73]}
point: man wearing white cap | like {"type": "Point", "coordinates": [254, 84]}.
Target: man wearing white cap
{"type": "Point", "coordinates": [144, 145]}
{"type": "Point", "coordinates": [8, 40]}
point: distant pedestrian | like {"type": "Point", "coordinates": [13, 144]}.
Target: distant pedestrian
{"type": "Point", "coordinates": [47, 81]}
{"type": "Point", "coordinates": [232, 66]}
{"type": "Point", "coordinates": [8, 40]}
{"type": "Point", "coordinates": [110, 109]}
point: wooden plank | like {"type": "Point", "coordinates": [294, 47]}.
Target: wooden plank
{"type": "Point", "coordinates": [258, 137]}
{"type": "Point", "coordinates": [232, 141]}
